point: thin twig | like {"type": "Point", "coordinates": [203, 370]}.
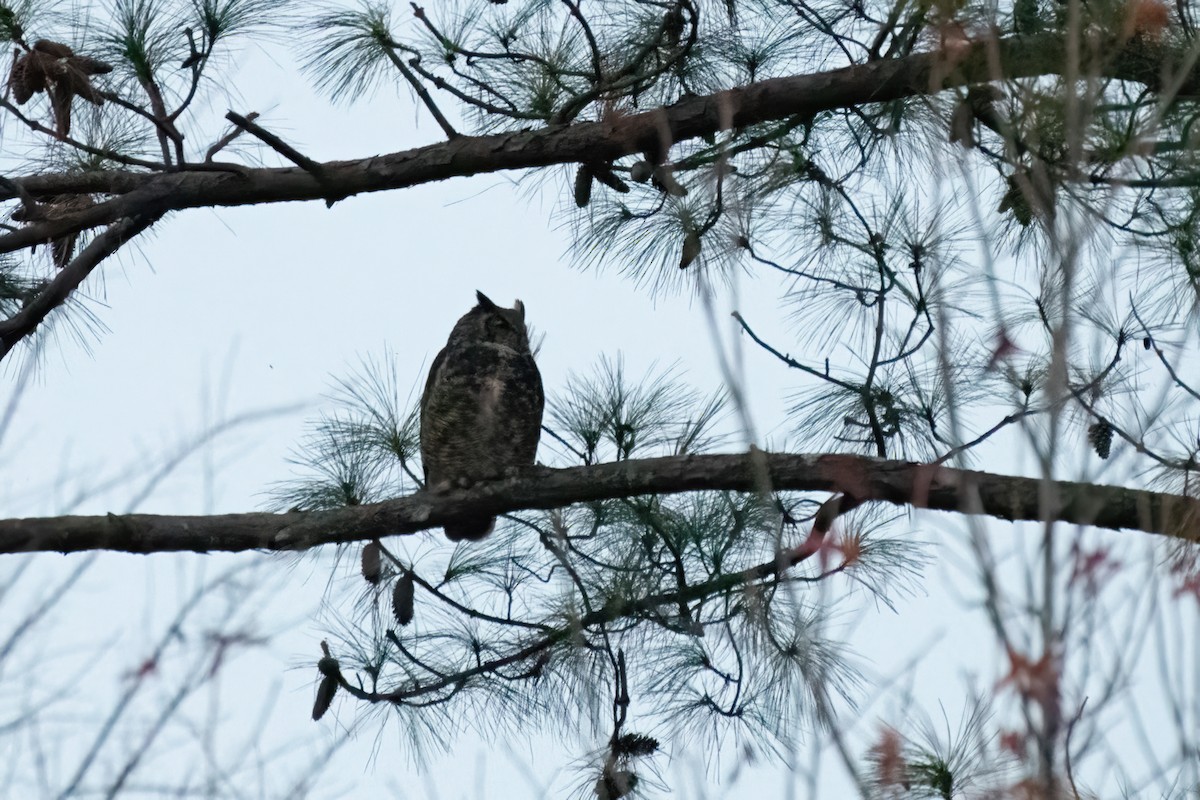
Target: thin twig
{"type": "Point", "coordinates": [275, 143]}
{"type": "Point", "coordinates": [32, 210]}
{"type": "Point", "coordinates": [287, 151]}
{"type": "Point", "coordinates": [791, 362]}
{"type": "Point", "coordinates": [423, 93]}
{"type": "Point", "coordinates": [1008, 420]}
{"type": "Point", "coordinates": [1067, 747]}
{"type": "Point", "coordinates": [228, 138]}
{"type": "Point", "coordinates": [111, 155]}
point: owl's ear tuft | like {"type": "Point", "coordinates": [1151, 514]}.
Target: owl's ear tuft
{"type": "Point", "coordinates": [484, 302]}
{"type": "Point", "coordinates": [519, 307]}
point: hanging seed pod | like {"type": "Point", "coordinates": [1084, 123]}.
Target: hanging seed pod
{"type": "Point", "coordinates": [615, 784]}
{"type": "Point", "coordinates": [325, 693]}
{"type": "Point", "coordinates": [604, 173]}
{"type": "Point", "coordinates": [583, 186]}
{"type": "Point", "coordinates": [673, 22]}
{"type": "Point", "coordinates": [27, 78]}
{"type": "Point", "coordinates": [962, 124]}
{"type": "Point", "coordinates": [634, 745]}
{"type": "Point", "coordinates": [328, 666]}
{"type": "Point", "coordinates": [372, 562]}
{"type": "Point", "coordinates": [402, 598]}
{"type": "Point", "coordinates": [691, 249]}
{"type": "Point", "coordinates": [1100, 435]}
{"type": "Point", "coordinates": [1014, 200]}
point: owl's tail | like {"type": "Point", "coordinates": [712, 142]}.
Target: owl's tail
{"type": "Point", "coordinates": [471, 529]}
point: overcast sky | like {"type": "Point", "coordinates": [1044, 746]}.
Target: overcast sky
{"type": "Point", "coordinates": [220, 313]}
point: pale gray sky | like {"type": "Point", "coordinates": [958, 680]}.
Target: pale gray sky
{"type": "Point", "coordinates": [219, 313]}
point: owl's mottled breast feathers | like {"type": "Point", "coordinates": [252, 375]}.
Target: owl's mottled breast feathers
{"type": "Point", "coordinates": [481, 412]}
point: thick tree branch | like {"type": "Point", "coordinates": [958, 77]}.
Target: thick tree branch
{"type": "Point", "coordinates": [861, 478]}
{"type": "Point", "coordinates": [772, 99]}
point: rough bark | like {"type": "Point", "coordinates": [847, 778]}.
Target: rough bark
{"type": "Point", "coordinates": [150, 195]}
{"type": "Point", "coordinates": [766, 100]}
{"type": "Point", "coordinates": [860, 478]}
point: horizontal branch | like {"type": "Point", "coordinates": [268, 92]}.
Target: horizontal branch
{"type": "Point", "coordinates": [862, 479]}
{"type": "Point", "coordinates": [691, 117]}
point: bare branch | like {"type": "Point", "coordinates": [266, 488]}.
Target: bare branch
{"type": "Point", "coordinates": [692, 117]}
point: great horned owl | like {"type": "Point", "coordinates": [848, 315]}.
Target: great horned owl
{"type": "Point", "coordinates": [482, 408]}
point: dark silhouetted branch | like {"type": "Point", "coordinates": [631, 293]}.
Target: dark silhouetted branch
{"type": "Point", "coordinates": [860, 478]}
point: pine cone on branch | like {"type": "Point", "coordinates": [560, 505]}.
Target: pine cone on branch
{"type": "Point", "coordinates": [54, 68]}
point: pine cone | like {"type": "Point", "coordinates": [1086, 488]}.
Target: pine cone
{"type": "Point", "coordinates": [372, 563]}
{"type": "Point", "coordinates": [634, 745]}
{"type": "Point", "coordinates": [325, 693]}
{"type": "Point", "coordinates": [615, 784]}
{"type": "Point", "coordinates": [27, 78]}
{"type": "Point", "coordinates": [962, 124]}
{"type": "Point", "coordinates": [402, 599]}
{"type": "Point", "coordinates": [53, 49]}
{"type": "Point", "coordinates": [54, 67]}
{"type": "Point", "coordinates": [583, 186]}
{"type": "Point", "coordinates": [79, 83]}
{"type": "Point", "coordinates": [691, 249]}
{"type": "Point", "coordinates": [91, 66]}
{"type": "Point", "coordinates": [1100, 435]}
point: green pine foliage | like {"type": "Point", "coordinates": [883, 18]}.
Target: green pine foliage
{"type": "Point", "coordinates": [522, 631]}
